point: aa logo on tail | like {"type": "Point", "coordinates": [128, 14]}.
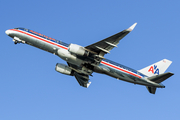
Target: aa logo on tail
{"type": "Point", "coordinates": [154, 69]}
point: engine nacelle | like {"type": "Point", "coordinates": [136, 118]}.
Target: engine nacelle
{"type": "Point", "coordinates": [64, 69]}
{"type": "Point", "coordinates": [78, 50]}
{"type": "Point", "coordinates": [67, 56]}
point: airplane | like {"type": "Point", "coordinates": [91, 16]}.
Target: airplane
{"type": "Point", "coordinates": [83, 61]}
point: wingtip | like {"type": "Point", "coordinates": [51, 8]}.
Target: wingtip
{"type": "Point", "coordinates": [88, 84]}
{"type": "Point", "coordinates": [132, 27]}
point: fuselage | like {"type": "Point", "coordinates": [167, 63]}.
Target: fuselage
{"type": "Point", "coordinates": [108, 67]}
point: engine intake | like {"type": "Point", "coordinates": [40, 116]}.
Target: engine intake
{"type": "Point", "coordinates": [64, 69]}
{"type": "Point", "coordinates": [78, 50]}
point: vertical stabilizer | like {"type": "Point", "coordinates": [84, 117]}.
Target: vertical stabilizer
{"type": "Point", "coordinates": [156, 68]}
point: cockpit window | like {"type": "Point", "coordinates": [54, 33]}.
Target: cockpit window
{"type": "Point", "coordinates": [19, 28]}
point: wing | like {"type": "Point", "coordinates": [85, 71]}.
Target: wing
{"type": "Point", "coordinates": [104, 46]}
{"type": "Point", "coordinates": [81, 77]}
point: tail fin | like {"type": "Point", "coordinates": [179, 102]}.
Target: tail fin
{"type": "Point", "coordinates": [156, 68]}
{"type": "Point", "coordinates": [155, 73]}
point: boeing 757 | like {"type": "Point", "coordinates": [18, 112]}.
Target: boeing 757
{"type": "Point", "coordinates": [83, 61]}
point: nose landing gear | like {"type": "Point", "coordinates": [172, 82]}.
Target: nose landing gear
{"type": "Point", "coordinates": [17, 40]}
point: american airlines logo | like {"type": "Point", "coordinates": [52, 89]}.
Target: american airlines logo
{"type": "Point", "coordinates": [154, 69]}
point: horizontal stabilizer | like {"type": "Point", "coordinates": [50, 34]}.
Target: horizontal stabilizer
{"type": "Point", "coordinates": [160, 78]}
{"type": "Point", "coordinates": [151, 89]}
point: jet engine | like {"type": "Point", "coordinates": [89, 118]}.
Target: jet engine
{"type": "Point", "coordinates": [67, 56]}
{"type": "Point", "coordinates": [78, 50]}
{"type": "Point", "coordinates": [64, 69]}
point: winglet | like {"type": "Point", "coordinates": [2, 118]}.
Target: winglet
{"type": "Point", "coordinates": [132, 27]}
{"type": "Point", "coordinates": [88, 84]}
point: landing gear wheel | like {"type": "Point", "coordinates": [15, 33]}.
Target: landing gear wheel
{"type": "Point", "coordinates": [15, 42]}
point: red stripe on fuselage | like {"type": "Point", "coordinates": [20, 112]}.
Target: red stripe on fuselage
{"type": "Point", "coordinates": [39, 38]}
{"type": "Point", "coordinates": [113, 66]}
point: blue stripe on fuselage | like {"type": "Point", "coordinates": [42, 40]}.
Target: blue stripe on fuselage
{"type": "Point", "coordinates": [44, 36]}
{"type": "Point", "coordinates": [123, 67]}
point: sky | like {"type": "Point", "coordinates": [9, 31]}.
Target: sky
{"type": "Point", "coordinates": [31, 89]}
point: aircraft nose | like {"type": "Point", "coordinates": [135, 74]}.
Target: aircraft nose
{"type": "Point", "coordinates": [7, 32]}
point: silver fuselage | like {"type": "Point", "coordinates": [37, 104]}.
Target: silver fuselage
{"type": "Point", "coordinates": [107, 67]}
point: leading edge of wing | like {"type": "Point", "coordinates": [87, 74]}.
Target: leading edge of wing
{"type": "Point", "coordinates": [109, 43]}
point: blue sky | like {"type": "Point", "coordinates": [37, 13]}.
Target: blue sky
{"type": "Point", "coordinates": [31, 89]}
